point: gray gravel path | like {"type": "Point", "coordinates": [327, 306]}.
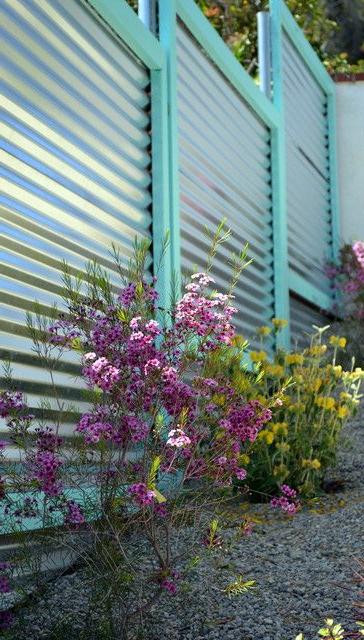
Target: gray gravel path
{"type": "Point", "coordinates": [303, 567]}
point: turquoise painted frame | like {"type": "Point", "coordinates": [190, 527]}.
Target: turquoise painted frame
{"type": "Point", "coordinates": [124, 21]}
{"type": "Point", "coordinates": [282, 20]}
{"type": "Point", "coordinates": [189, 13]}
{"type": "Point", "coordinates": [167, 14]}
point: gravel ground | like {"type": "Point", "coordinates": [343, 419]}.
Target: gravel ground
{"type": "Point", "coordinates": [303, 568]}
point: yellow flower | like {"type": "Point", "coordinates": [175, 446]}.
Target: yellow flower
{"type": "Point", "coordinates": [338, 371]}
{"type": "Point", "coordinates": [280, 428]}
{"type": "Point", "coordinates": [264, 331]}
{"type": "Point", "coordinates": [297, 407]}
{"type": "Point", "coordinates": [314, 386]}
{"type": "Point", "coordinates": [345, 396]}
{"type": "Point", "coordinates": [317, 350]}
{"type": "Point", "coordinates": [342, 412]}
{"type": "Point", "coordinates": [315, 464]}
{"type": "Point", "coordinates": [219, 399]}
{"type": "Point", "coordinates": [293, 358]}
{"type": "Point", "coordinates": [325, 402]}
{"type": "Point", "coordinates": [357, 374]}
{"type": "Point", "coordinates": [337, 341]}
{"type": "Point", "coordinates": [283, 447]}
{"type": "Point", "coordinates": [266, 435]}
{"type": "Point", "coordinates": [244, 459]}
{"type": "Point", "coordinates": [298, 378]}
{"type": "Point", "coordinates": [258, 356]}
{"type": "Point", "coordinates": [279, 323]}
{"type": "Point", "coordinates": [275, 370]}
{"type": "Point", "coordinates": [311, 464]}
{"type": "Point", "coordinates": [281, 471]}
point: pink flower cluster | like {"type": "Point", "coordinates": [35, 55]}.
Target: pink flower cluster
{"type": "Point", "coordinates": [206, 317]}
{"type": "Point", "coordinates": [129, 294]}
{"type": "Point", "coordinates": [10, 401]}
{"type": "Point", "coordinates": [74, 515]}
{"type": "Point", "coordinates": [94, 427]}
{"type": "Point", "coordinates": [348, 277]}
{"type": "Point", "coordinates": [177, 438]}
{"type": "Point", "coordinates": [141, 494]}
{"type": "Point", "coordinates": [244, 422]}
{"type": "Point", "coordinates": [44, 463]}
{"type": "Point", "coordinates": [358, 250]}
{"type": "Point", "coordinates": [101, 373]}
{"type": "Point", "coordinates": [287, 502]}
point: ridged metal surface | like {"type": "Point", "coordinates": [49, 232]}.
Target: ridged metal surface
{"type": "Point", "coordinates": [224, 172]}
{"type": "Point", "coordinates": [308, 180]}
{"type": "Point", "coordinates": [75, 166]}
{"type": "Point", "coordinates": [303, 316]}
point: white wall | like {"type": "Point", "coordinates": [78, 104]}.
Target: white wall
{"type": "Point", "coordinates": [350, 113]}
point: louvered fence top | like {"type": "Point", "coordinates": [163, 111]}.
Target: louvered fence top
{"type": "Point", "coordinates": [307, 162]}
{"type": "Point", "coordinates": [224, 172]}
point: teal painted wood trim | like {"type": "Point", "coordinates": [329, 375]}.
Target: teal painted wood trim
{"type": "Point", "coordinates": [130, 28]}
{"type": "Point", "coordinates": [160, 182]}
{"type": "Point", "coordinates": [306, 51]}
{"type": "Point", "coordinates": [167, 37]}
{"type": "Point", "coordinates": [334, 180]}
{"type": "Point", "coordinates": [278, 159]}
{"type": "Point", "coordinates": [308, 291]}
{"type": "Point", "coordinates": [222, 57]}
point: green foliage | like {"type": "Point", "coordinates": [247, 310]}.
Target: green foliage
{"type": "Point", "coordinates": [239, 586]}
{"type": "Point", "coordinates": [235, 20]}
{"type": "Point", "coordinates": [313, 397]}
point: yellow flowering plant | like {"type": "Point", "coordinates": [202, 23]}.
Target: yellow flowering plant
{"type": "Point", "coordinates": [335, 631]}
{"type": "Point", "coordinates": [312, 397]}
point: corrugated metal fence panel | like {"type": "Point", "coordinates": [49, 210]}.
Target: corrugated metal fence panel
{"type": "Point", "coordinates": [303, 316]}
{"type": "Point", "coordinates": [224, 172]}
{"type": "Point", "coordinates": [307, 161]}
{"type": "Point", "coordinates": [75, 166]}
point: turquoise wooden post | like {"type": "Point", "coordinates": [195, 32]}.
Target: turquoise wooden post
{"type": "Point", "coordinates": [334, 181]}
{"type": "Point", "coordinates": [281, 271]}
{"type": "Point", "coordinates": [167, 37]}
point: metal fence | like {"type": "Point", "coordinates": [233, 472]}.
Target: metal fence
{"type": "Point", "coordinates": [110, 131]}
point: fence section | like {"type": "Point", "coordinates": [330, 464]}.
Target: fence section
{"type": "Point", "coordinates": [109, 133]}
{"type": "Point", "coordinates": [224, 170]}
{"type": "Point", "coordinates": [304, 94]}
{"type": "Point", "coordinates": [76, 166]}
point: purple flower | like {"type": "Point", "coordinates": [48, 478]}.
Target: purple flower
{"type": "Point", "coordinates": [74, 515]}
{"type": "Point", "coordinates": [4, 584]}
{"type": "Point", "coordinates": [10, 401]}
{"type": "Point", "coordinates": [102, 373]}
{"type": "Point", "coordinates": [287, 502]}
{"type": "Point", "coordinates": [6, 619]}
{"type": "Point", "coordinates": [170, 586]}
{"type": "Point", "coordinates": [141, 493]}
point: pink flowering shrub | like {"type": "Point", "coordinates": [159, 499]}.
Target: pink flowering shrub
{"type": "Point", "coordinates": [287, 501]}
{"type": "Point", "coordinates": [348, 277]}
{"type": "Point", "coordinates": [154, 444]}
